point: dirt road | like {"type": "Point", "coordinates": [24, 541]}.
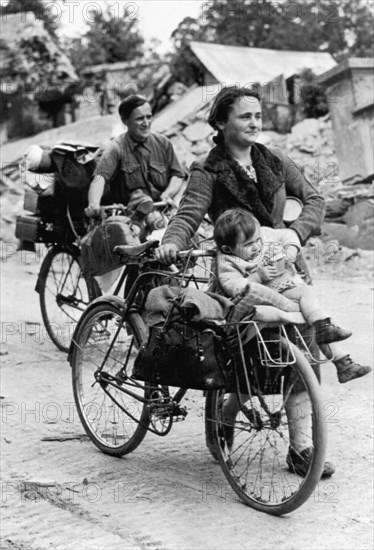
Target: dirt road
{"type": "Point", "coordinates": [62, 493]}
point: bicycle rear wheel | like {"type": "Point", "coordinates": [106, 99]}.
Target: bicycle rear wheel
{"type": "Point", "coordinates": [252, 449]}
{"type": "Point", "coordinates": [64, 293]}
{"type": "Point", "coordinates": [104, 349]}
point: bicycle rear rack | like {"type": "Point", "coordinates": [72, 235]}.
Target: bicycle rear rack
{"type": "Point", "coordinates": [274, 348]}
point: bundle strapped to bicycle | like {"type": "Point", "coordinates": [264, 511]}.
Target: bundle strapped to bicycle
{"type": "Point", "coordinates": [57, 181]}
{"type": "Point", "coordinates": [180, 351]}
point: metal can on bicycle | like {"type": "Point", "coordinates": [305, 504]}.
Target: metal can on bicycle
{"type": "Point", "coordinates": [155, 220]}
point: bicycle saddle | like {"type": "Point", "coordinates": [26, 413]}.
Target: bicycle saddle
{"type": "Point", "coordinates": [137, 250]}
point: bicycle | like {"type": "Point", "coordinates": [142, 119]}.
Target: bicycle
{"type": "Point", "coordinates": [64, 292]}
{"type": "Point", "coordinates": [117, 410]}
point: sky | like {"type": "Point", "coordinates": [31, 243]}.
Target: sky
{"type": "Point", "coordinates": [157, 18]}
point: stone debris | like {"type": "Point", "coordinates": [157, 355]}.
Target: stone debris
{"type": "Point", "coordinates": [64, 437]}
{"type": "Point", "coordinates": [307, 127]}
{"type": "Point", "coordinates": [310, 144]}
{"type": "Point", "coordinates": [197, 132]}
{"type": "Point", "coordinates": [332, 258]}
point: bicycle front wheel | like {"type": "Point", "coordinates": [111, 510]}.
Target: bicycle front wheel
{"type": "Point", "coordinates": [253, 446]}
{"type": "Point", "coordinates": [64, 293]}
{"type": "Point", "coordinates": [111, 406]}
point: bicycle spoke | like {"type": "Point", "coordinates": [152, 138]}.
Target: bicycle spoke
{"type": "Point", "coordinates": [256, 461]}
{"type": "Point", "coordinates": [114, 415]}
{"type": "Point", "coordinates": [64, 295]}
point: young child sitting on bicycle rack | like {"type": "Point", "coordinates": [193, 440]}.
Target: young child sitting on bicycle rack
{"type": "Point", "coordinates": [252, 262]}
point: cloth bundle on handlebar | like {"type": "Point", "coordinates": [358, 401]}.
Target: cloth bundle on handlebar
{"type": "Point", "coordinates": [98, 244]}
{"type": "Point", "coordinates": [185, 347]}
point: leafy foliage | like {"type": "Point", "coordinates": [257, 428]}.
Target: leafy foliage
{"type": "Point", "coordinates": [43, 65]}
{"type": "Point", "coordinates": [312, 96]}
{"type": "Point", "coordinates": [185, 67]}
{"type": "Point", "coordinates": [340, 27]}
{"type": "Point", "coordinates": [43, 10]}
{"type": "Point", "coordinates": [108, 39]}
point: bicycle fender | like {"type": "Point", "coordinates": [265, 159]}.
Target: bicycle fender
{"type": "Point", "coordinates": [113, 300]}
{"type": "Point", "coordinates": [70, 249]}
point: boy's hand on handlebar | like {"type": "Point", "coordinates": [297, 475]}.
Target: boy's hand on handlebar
{"type": "Point", "coordinates": [166, 253]}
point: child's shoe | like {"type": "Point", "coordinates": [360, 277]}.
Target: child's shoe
{"type": "Point", "coordinates": [348, 370]}
{"type": "Point", "coordinates": [327, 332]}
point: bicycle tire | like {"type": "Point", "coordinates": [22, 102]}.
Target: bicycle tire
{"type": "Point", "coordinates": [255, 464]}
{"type": "Point", "coordinates": [64, 293]}
{"type": "Point", "coordinates": [102, 335]}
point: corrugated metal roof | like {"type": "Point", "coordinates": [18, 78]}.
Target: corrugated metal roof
{"type": "Point", "coordinates": [235, 64]}
{"type": "Point", "coordinates": [190, 102]}
{"type": "Point", "coordinates": [121, 66]}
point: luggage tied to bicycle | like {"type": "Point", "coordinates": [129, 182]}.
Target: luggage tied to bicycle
{"type": "Point", "coordinates": [186, 349]}
{"type": "Point", "coordinates": [97, 245]}
{"type": "Point", "coordinates": [58, 179]}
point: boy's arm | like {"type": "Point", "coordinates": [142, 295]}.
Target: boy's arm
{"type": "Point", "coordinates": [103, 173]}
{"type": "Point", "coordinates": [254, 277]}
{"type": "Point", "coordinates": [173, 189]}
{"type": "Point", "coordinates": [233, 285]}
{"type": "Point", "coordinates": [231, 278]}
{"type": "Point", "coordinates": [95, 192]}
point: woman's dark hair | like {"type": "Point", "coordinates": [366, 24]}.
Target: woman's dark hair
{"type": "Point", "coordinates": [223, 103]}
{"type": "Point", "coordinates": [127, 106]}
{"type": "Point", "coordinates": [232, 225]}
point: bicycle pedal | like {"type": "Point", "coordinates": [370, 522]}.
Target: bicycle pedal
{"type": "Point", "coordinates": [161, 406]}
{"type": "Point", "coordinates": [179, 413]}
{"type": "Point", "coordinates": [179, 418]}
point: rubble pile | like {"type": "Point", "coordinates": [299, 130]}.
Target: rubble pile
{"type": "Point", "coordinates": [331, 259]}
{"type": "Point", "coordinates": [349, 213]}
{"type": "Point", "coordinates": [310, 144]}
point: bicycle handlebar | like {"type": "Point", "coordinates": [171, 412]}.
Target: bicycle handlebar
{"type": "Point", "coordinates": [149, 246]}
{"type": "Point", "coordinates": [108, 208]}
{"type": "Point", "coordinates": [182, 254]}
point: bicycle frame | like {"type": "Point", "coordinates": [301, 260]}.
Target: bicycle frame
{"type": "Point", "coordinates": [123, 382]}
{"type": "Point", "coordinates": [268, 401]}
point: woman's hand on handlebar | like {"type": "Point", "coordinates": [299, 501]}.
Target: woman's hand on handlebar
{"type": "Point", "coordinates": [167, 253]}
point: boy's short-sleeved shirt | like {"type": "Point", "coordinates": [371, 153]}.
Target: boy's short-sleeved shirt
{"type": "Point", "coordinates": [127, 165]}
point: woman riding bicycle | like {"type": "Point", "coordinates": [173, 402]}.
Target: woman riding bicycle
{"type": "Point", "coordinates": [238, 172]}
